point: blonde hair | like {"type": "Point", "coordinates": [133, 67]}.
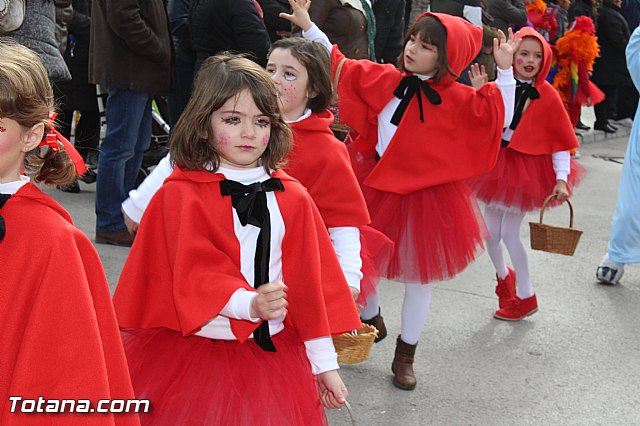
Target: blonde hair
{"type": "Point", "coordinates": [26, 97]}
{"type": "Point", "coordinates": [220, 78]}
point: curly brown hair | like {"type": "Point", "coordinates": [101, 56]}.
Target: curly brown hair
{"type": "Point", "coordinates": [220, 78]}
{"type": "Point", "coordinates": [26, 97]}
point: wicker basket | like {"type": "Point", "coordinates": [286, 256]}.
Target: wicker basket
{"type": "Point", "coordinates": [354, 347]}
{"type": "Point", "coordinates": [554, 239]}
{"type": "Point", "coordinates": [337, 125]}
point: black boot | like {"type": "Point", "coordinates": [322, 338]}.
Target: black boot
{"type": "Point", "coordinates": [402, 366]}
{"type": "Point", "coordinates": [377, 322]}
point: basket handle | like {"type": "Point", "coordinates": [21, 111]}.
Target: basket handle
{"type": "Point", "coordinates": [544, 206]}
{"type": "Point", "coordinates": [336, 78]}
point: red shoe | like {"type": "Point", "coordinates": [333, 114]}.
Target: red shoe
{"type": "Point", "coordinates": [518, 309]}
{"type": "Point", "coordinates": [506, 288]}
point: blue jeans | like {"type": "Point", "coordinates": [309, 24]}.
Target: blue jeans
{"type": "Point", "coordinates": [127, 138]}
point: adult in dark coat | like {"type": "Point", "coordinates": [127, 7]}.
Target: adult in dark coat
{"type": "Point", "coordinates": [130, 57]}
{"type": "Point", "coordinates": [78, 94]}
{"type": "Point", "coordinates": [610, 69]}
{"type": "Point", "coordinates": [507, 13]}
{"type": "Point", "coordinates": [389, 29]}
{"type": "Point", "coordinates": [235, 25]}
{"type": "Point", "coordinates": [276, 26]}
{"type": "Point", "coordinates": [628, 95]}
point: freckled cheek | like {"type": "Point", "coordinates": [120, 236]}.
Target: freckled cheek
{"type": "Point", "coordinates": [289, 92]}
{"type": "Point", "coordinates": [224, 140]}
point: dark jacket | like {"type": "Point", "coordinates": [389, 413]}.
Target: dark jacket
{"type": "Point", "coordinates": [38, 34]}
{"type": "Point", "coordinates": [581, 8]}
{"type": "Point", "coordinates": [130, 46]}
{"type": "Point", "coordinates": [344, 25]}
{"type": "Point", "coordinates": [506, 13]}
{"type": "Point", "coordinates": [389, 29]}
{"type": "Point", "coordinates": [610, 69]}
{"type": "Point", "coordinates": [219, 25]}
{"type": "Point", "coordinates": [271, 10]}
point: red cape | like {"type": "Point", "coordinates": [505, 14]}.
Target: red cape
{"type": "Point", "coordinates": [59, 334]}
{"type": "Point", "coordinates": [195, 268]}
{"type": "Point", "coordinates": [459, 138]}
{"type": "Point", "coordinates": [321, 163]}
{"type": "Point", "coordinates": [545, 126]}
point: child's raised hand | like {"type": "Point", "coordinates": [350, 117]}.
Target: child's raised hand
{"type": "Point", "coordinates": [478, 76]}
{"type": "Point", "coordinates": [333, 392]}
{"type": "Point", "coordinates": [560, 190]}
{"type": "Point", "coordinates": [504, 50]}
{"type": "Point", "coordinates": [271, 301]}
{"type": "Point", "coordinates": [299, 14]}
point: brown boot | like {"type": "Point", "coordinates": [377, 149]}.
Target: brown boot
{"type": "Point", "coordinates": [402, 367]}
{"type": "Point", "coordinates": [378, 323]}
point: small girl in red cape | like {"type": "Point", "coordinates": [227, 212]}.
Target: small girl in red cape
{"type": "Point", "coordinates": [419, 135]}
{"type": "Point", "coordinates": [301, 71]}
{"type": "Point", "coordinates": [58, 330]}
{"type": "Point", "coordinates": [232, 290]}
{"type": "Point", "coordinates": [534, 162]}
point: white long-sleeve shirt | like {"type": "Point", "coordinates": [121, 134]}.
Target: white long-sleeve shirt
{"type": "Point", "coordinates": [320, 351]}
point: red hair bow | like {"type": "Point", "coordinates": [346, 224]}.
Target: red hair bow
{"type": "Point", "coordinates": [53, 137]}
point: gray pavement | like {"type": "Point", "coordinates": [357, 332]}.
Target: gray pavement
{"type": "Point", "coordinates": [575, 362]}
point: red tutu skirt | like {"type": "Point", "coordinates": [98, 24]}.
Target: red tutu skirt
{"type": "Point", "coordinates": [436, 232]}
{"type": "Point", "coordinates": [376, 250]}
{"type": "Point", "coordinates": [199, 381]}
{"type": "Point", "coordinates": [521, 181]}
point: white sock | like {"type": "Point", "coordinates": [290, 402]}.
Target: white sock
{"type": "Point", "coordinates": [517, 252]}
{"type": "Point", "coordinates": [493, 218]}
{"type": "Point", "coordinates": [415, 310]}
{"type": "Point", "coordinates": [373, 307]}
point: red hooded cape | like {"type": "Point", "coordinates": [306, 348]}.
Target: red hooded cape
{"type": "Point", "coordinates": [59, 334]}
{"type": "Point", "coordinates": [545, 126]}
{"type": "Point", "coordinates": [321, 163]}
{"type": "Point", "coordinates": [458, 139]}
{"type": "Point", "coordinates": [185, 262]}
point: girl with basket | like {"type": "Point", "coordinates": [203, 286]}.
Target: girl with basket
{"type": "Point", "coordinates": [414, 147]}
{"type": "Point", "coordinates": [534, 161]}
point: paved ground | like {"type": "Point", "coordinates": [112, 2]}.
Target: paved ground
{"type": "Point", "coordinates": [575, 362]}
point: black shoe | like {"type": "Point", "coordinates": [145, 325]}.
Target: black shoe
{"type": "Point", "coordinates": [607, 128]}
{"type": "Point", "coordinates": [120, 237]}
{"type": "Point", "coordinates": [89, 177]}
{"type": "Point", "coordinates": [582, 126]}
{"type": "Point", "coordinates": [73, 188]}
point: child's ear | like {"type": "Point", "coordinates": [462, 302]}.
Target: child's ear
{"type": "Point", "coordinates": [312, 92]}
{"type": "Point", "coordinates": [32, 137]}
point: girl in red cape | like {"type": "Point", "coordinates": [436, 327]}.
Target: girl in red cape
{"type": "Point", "coordinates": [419, 135]}
{"type": "Point", "coordinates": [58, 330]}
{"type": "Point", "coordinates": [231, 321]}
{"type": "Point", "coordinates": [301, 72]}
{"type": "Point", "coordinates": [534, 162]}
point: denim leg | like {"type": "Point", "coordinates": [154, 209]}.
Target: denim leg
{"type": "Point", "coordinates": [132, 166]}
{"type": "Point", "coordinates": [126, 111]}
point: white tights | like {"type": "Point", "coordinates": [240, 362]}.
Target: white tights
{"type": "Point", "coordinates": [505, 225]}
{"type": "Point", "coordinates": [415, 310]}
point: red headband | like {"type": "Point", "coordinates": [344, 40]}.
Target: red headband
{"type": "Point", "coordinates": [52, 139]}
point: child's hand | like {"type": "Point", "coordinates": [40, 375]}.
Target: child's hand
{"type": "Point", "coordinates": [271, 301]}
{"type": "Point", "coordinates": [354, 292]}
{"type": "Point", "coordinates": [132, 226]}
{"type": "Point", "coordinates": [478, 76]}
{"type": "Point", "coordinates": [299, 14]}
{"type": "Point", "coordinates": [504, 50]}
{"type": "Point", "coordinates": [560, 190]}
{"type": "Point", "coordinates": [333, 392]}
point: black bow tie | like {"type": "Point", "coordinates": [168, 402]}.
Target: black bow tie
{"type": "Point", "coordinates": [250, 202]}
{"type": "Point", "coordinates": [3, 226]}
{"type": "Point", "coordinates": [408, 87]}
{"type": "Point", "coordinates": [524, 91]}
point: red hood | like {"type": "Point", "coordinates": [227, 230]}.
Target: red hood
{"type": "Point", "coordinates": [546, 52]}
{"type": "Point", "coordinates": [32, 192]}
{"type": "Point", "coordinates": [464, 41]}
